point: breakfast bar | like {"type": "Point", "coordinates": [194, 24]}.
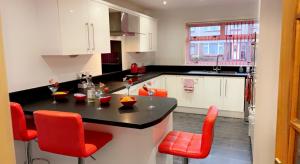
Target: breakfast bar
{"type": "Point", "coordinates": [133, 129]}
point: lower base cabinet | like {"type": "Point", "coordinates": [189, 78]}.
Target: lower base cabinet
{"type": "Point", "coordinates": [227, 93]}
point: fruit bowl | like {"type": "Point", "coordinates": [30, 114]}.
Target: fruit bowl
{"type": "Point", "coordinates": [60, 94]}
{"type": "Point", "coordinates": [105, 100]}
{"type": "Point", "coordinates": [79, 96]}
{"type": "Point", "coordinates": [128, 101]}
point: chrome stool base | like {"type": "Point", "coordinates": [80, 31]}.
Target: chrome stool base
{"type": "Point", "coordinates": [185, 161]}
{"type": "Point", "coordinates": [81, 161]}
{"type": "Point", "coordinates": [28, 151]}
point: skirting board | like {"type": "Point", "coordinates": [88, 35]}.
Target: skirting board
{"type": "Point", "coordinates": [222, 113]}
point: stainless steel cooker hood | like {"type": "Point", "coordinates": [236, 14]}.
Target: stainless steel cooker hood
{"type": "Point", "coordinates": [123, 24]}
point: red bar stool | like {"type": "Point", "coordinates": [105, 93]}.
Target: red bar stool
{"type": "Point", "coordinates": [23, 130]}
{"type": "Point", "coordinates": [190, 145]}
{"type": "Point", "coordinates": [63, 133]}
{"type": "Point", "coordinates": [157, 92]}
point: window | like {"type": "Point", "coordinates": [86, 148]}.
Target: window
{"type": "Point", "coordinates": [232, 40]}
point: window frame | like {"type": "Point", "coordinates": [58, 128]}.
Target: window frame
{"type": "Point", "coordinates": [222, 36]}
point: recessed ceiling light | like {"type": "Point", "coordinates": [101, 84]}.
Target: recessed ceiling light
{"type": "Point", "coordinates": [165, 2]}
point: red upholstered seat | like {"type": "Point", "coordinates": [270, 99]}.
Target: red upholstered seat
{"type": "Point", "coordinates": [191, 145]}
{"type": "Point", "coordinates": [21, 130]}
{"type": "Point", "coordinates": [157, 92]}
{"type": "Point", "coordinates": [63, 133]}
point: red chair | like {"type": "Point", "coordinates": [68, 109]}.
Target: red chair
{"type": "Point", "coordinates": [23, 130]}
{"type": "Point", "coordinates": [190, 145]}
{"type": "Point", "coordinates": [157, 92]}
{"type": "Point", "coordinates": [63, 133]}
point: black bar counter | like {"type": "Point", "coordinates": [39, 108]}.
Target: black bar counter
{"type": "Point", "coordinates": [114, 113]}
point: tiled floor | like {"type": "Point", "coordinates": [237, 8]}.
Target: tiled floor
{"type": "Point", "coordinates": [231, 142]}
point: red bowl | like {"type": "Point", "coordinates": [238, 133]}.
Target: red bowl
{"type": "Point", "coordinates": [128, 103]}
{"type": "Point", "coordinates": [104, 100]}
{"type": "Point", "coordinates": [79, 97]}
{"type": "Point", "coordinates": [60, 94]}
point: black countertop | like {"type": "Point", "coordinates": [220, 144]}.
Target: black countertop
{"type": "Point", "coordinates": [139, 117]}
{"type": "Point", "coordinates": [118, 85]}
{"type": "Point", "coordinates": [114, 80]}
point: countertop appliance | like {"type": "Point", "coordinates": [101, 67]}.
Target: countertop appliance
{"type": "Point", "coordinates": [134, 68]}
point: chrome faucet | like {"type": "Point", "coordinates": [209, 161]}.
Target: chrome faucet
{"type": "Point", "coordinates": [217, 67]}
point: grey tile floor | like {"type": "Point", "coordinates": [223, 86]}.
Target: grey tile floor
{"type": "Point", "coordinates": [231, 142]}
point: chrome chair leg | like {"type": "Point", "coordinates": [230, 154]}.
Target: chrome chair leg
{"type": "Point", "coordinates": [28, 152]}
{"type": "Point", "coordinates": [185, 161]}
{"type": "Point", "coordinates": [80, 160]}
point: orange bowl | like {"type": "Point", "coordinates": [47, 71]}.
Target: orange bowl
{"type": "Point", "coordinates": [79, 96]}
{"type": "Point", "coordinates": [129, 103]}
{"type": "Point", "coordinates": [104, 100]}
{"type": "Point", "coordinates": [60, 94]}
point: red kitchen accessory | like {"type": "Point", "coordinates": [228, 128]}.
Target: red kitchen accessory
{"type": "Point", "coordinates": [134, 68]}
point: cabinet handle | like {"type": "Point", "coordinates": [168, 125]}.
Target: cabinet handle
{"type": "Point", "coordinates": [220, 87]}
{"type": "Point", "coordinates": [226, 88]}
{"type": "Point", "coordinates": [93, 30]}
{"type": "Point", "coordinates": [88, 30]}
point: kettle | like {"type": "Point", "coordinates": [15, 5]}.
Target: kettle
{"type": "Point", "coordinates": [134, 68]}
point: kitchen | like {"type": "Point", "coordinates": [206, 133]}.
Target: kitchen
{"type": "Point", "coordinates": [63, 39]}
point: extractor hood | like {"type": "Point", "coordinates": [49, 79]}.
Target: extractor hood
{"type": "Point", "coordinates": [123, 24]}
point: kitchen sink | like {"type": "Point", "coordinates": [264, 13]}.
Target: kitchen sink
{"type": "Point", "coordinates": [212, 72]}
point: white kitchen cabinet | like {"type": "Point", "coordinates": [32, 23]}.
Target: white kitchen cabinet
{"type": "Point", "coordinates": [191, 99]}
{"type": "Point", "coordinates": [227, 93]}
{"type": "Point", "coordinates": [100, 31]}
{"type": "Point", "coordinates": [213, 91]}
{"type": "Point", "coordinates": [157, 82]}
{"type": "Point", "coordinates": [153, 35]}
{"type": "Point", "coordinates": [172, 83]}
{"type": "Point", "coordinates": [146, 40]}
{"type": "Point", "coordinates": [233, 94]}
{"type": "Point", "coordinates": [73, 27]}
{"type": "Point", "coordinates": [144, 34]}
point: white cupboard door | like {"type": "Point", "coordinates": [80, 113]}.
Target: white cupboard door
{"type": "Point", "coordinates": [213, 91]}
{"type": "Point", "coordinates": [158, 82]}
{"type": "Point", "coordinates": [200, 100]}
{"type": "Point", "coordinates": [144, 36]}
{"type": "Point", "coordinates": [153, 35]}
{"type": "Point", "coordinates": [172, 86]}
{"type": "Point", "coordinates": [186, 98]}
{"type": "Point", "coordinates": [99, 28]}
{"type": "Point", "coordinates": [234, 93]}
{"type": "Point", "coordinates": [74, 17]}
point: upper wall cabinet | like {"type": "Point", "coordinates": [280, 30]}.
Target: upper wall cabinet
{"type": "Point", "coordinates": [146, 40]}
{"type": "Point", "coordinates": [73, 27]}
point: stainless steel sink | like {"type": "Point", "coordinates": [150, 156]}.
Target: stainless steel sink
{"type": "Point", "coordinates": [212, 72]}
{"type": "Point", "coordinates": [202, 72]}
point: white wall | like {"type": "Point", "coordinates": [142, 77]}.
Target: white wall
{"type": "Point", "coordinates": [26, 68]}
{"type": "Point", "coordinates": [172, 33]}
{"type": "Point", "coordinates": [267, 81]}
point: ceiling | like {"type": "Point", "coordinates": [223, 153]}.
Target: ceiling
{"type": "Point", "coordinates": [176, 4]}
